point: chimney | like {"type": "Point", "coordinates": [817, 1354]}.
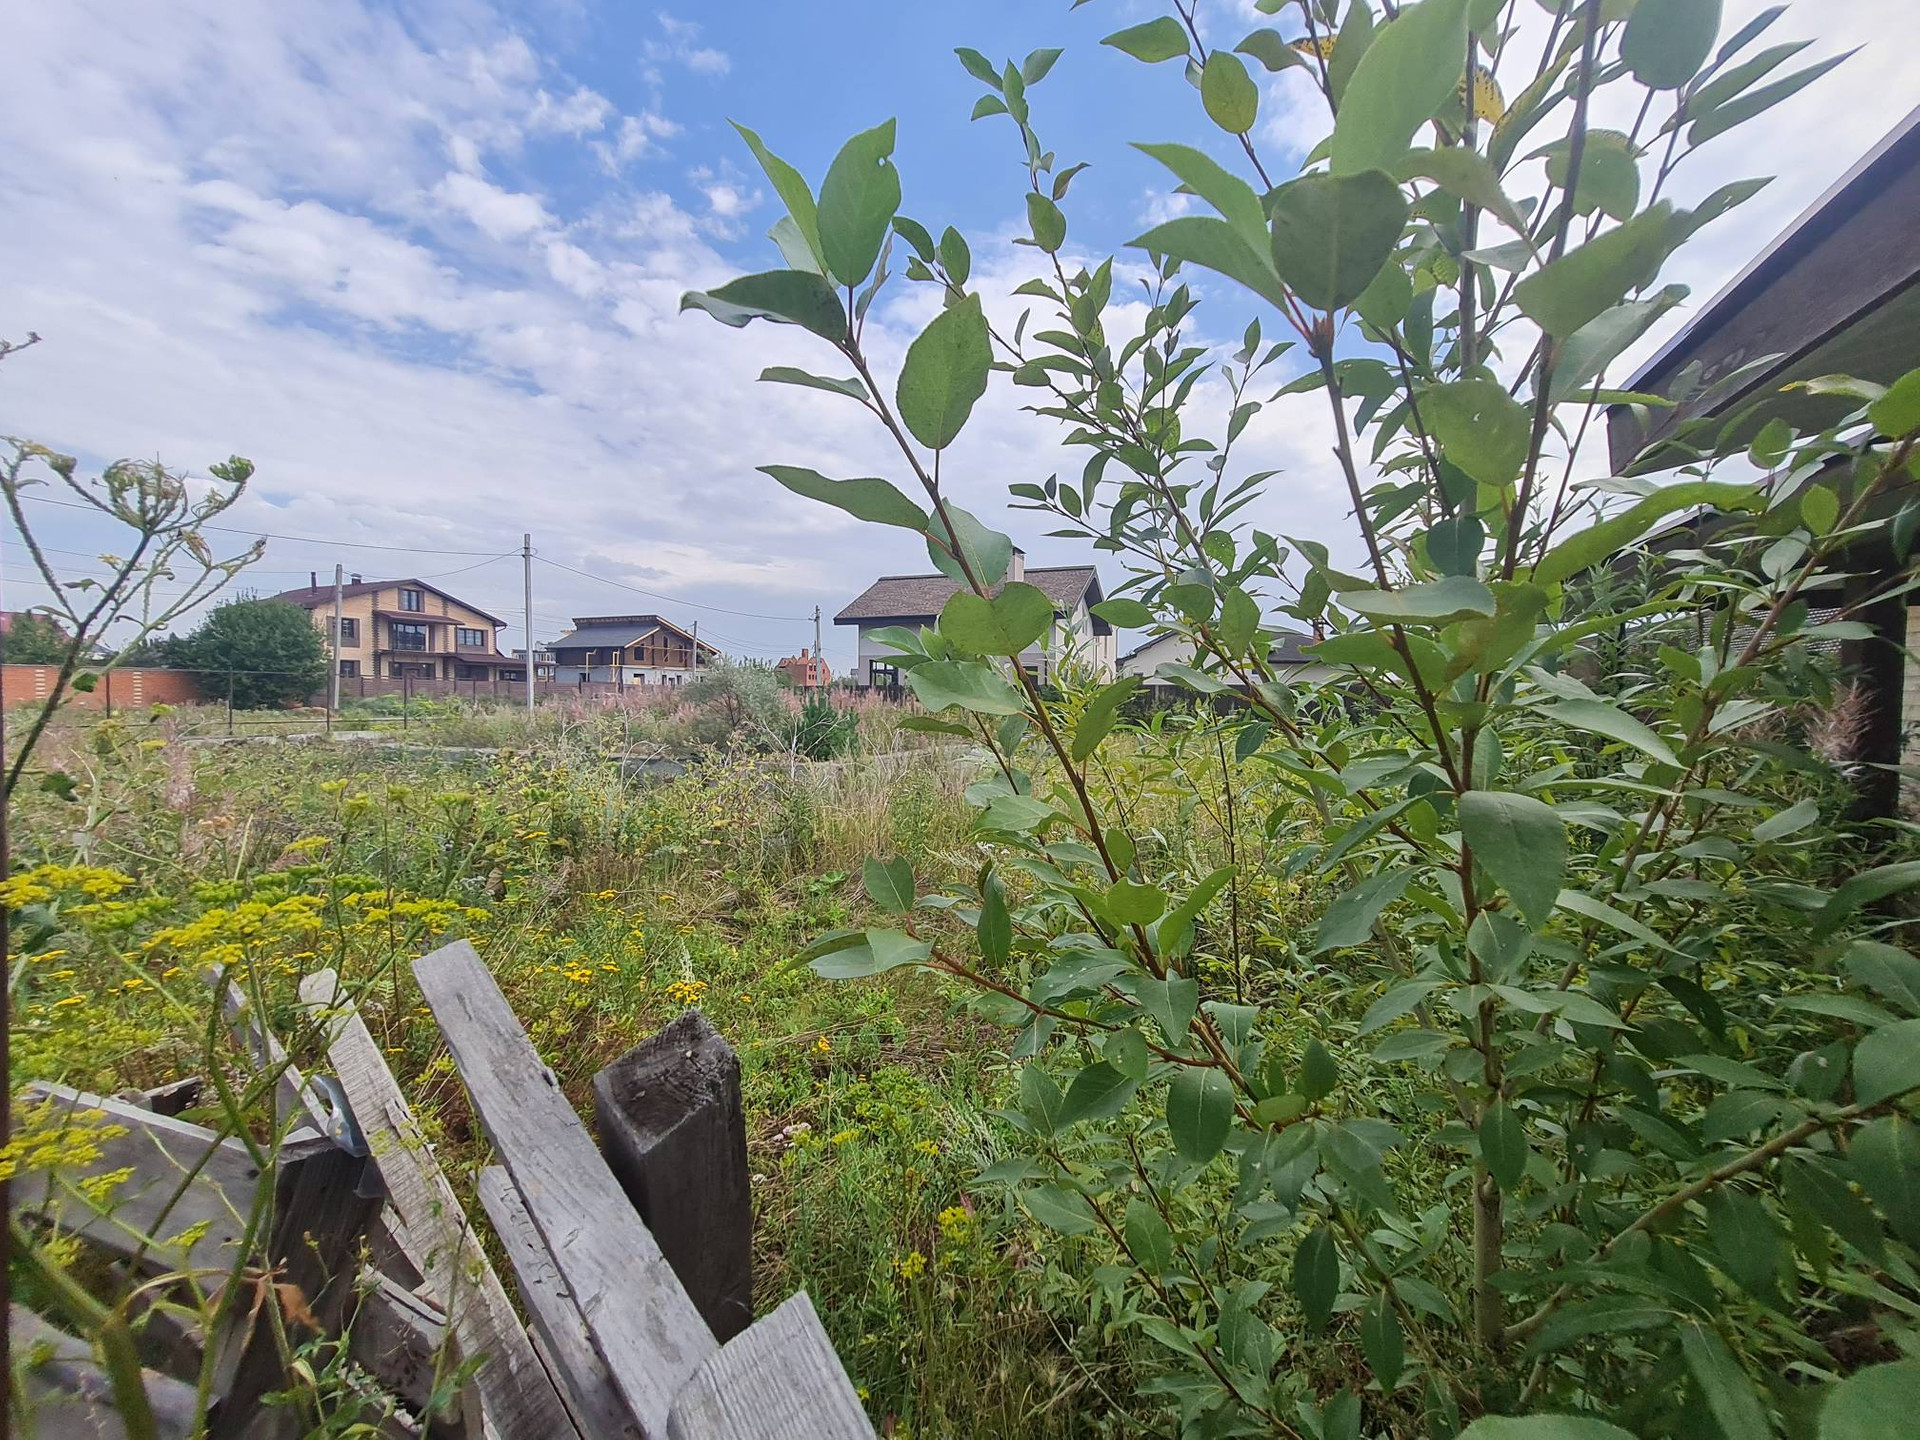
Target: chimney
{"type": "Point", "coordinates": [313, 579]}
{"type": "Point", "coordinates": [803, 652]}
{"type": "Point", "coordinates": [1017, 566]}
{"type": "Point", "coordinates": [355, 580]}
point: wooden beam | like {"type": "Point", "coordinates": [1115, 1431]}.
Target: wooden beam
{"type": "Point", "coordinates": [778, 1379]}
{"type": "Point", "coordinates": [68, 1395]}
{"type": "Point", "coordinates": [591, 1397]}
{"type": "Point", "coordinates": [643, 1325]}
{"type": "Point", "coordinates": [675, 1137]}
{"type": "Point", "coordinates": [515, 1393]}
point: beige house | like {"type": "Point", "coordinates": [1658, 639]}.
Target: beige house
{"type": "Point", "coordinates": [391, 628]}
{"type": "Point", "coordinates": [1289, 661]}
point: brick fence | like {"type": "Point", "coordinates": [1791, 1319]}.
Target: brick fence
{"type": "Point", "coordinates": [132, 686]}
{"type": "Point", "coordinates": [419, 687]}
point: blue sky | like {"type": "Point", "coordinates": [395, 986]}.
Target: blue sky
{"type": "Point", "coordinates": [420, 260]}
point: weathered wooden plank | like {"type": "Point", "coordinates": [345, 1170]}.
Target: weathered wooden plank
{"type": "Point", "coordinates": [642, 1323]}
{"type": "Point", "coordinates": [432, 1230]}
{"type": "Point", "coordinates": [68, 1395]}
{"type": "Point", "coordinates": [777, 1379]}
{"type": "Point", "coordinates": [183, 1176]}
{"type": "Point", "coordinates": [675, 1137]}
{"type": "Point", "coordinates": [580, 1373]}
{"type": "Point", "coordinates": [294, 1099]}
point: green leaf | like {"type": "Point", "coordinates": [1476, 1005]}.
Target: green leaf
{"type": "Point", "coordinates": [1016, 814]}
{"type": "Point", "coordinates": [1174, 934]}
{"type": "Point", "coordinates": [1409, 71]}
{"type": "Point", "coordinates": [1886, 970]}
{"type": "Point", "coordinates": [1199, 1112]}
{"type": "Point", "coordinates": [857, 202]}
{"type": "Point", "coordinates": [1332, 233]}
{"type": "Point", "coordinates": [1600, 718]}
{"type": "Point", "coordinates": [1877, 1403]}
{"type": "Point", "coordinates": [1794, 818]}
{"type": "Point", "coordinates": [1747, 1243]}
{"type": "Point", "coordinates": [1099, 1092]}
{"type": "Point", "coordinates": [1503, 1146]}
{"type": "Point", "coordinates": [1589, 547]}
{"type": "Point", "coordinates": [1543, 1427]}
{"type": "Point", "coordinates": [786, 297]}
{"type": "Point", "coordinates": [1666, 43]}
{"type": "Point", "coordinates": [1171, 1003]}
{"type": "Point", "coordinates": [889, 883]}
{"type": "Point", "coordinates": [1097, 718]}
{"type": "Point", "coordinates": [1126, 614]}
{"type": "Point", "coordinates": [1149, 1240]}
{"type": "Point", "coordinates": [1349, 920]}
{"type": "Point", "coordinates": [1316, 1277]}
{"type": "Point", "coordinates": [1724, 1385]}
{"type": "Point", "coordinates": [1034, 68]}
{"type": "Point", "coordinates": [791, 187]}
{"type": "Point", "coordinates": [1482, 429]}
{"type": "Point", "coordinates": [1059, 1209]}
{"type": "Point", "coordinates": [1887, 1063]}
{"type": "Point", "coordinates": [987, 552]}
{"type": "Point", "coordinates": [1049, 225]}
{"type": "Point", "coordinates": [1819, 508]}
{"type": "Point", "coordinates": [1896, 414]}
{"type": "Point", "coordinates": [788, 375]}
{"type": "Point", "coordinates": [1438, 602]}
{"type": "Point", "coordinates": [970, 684]}
{"type": "Point", "coordinates": [1157, 40]}
{"type": "Point", "coordinates": [1565, 294]}
{"type": "Point", "coordinates": [1380, 1338]}
{"type": "Point", "coordinates": [1214, 244]}
{"type": "Point", "coordinates": [995, 930]}
{"type": "Point", "coordinates": [872, 500]}
{"type": "Point", "coordinates": [1219, 187]}
{"type": "Point", "coordinates": [1454, 545]}
{"type": "Point", "coordinates": [1319, 1075]}
{"type": "Point", "coordinates": [1468, 174]}
{"type": "Point", "coordinates": [1231, 99]}
{"type": "Point", "coordinates": [877, 951]}
{"type": "Point", "coordinates": [1005, 625]}
{"type": "Point", "coordinates": [1126, 1050]}
{"type": "Point", "coordinates": [1271, 50]}
{"type": "Point", "coordinates": [1885, 1159]}
{"type": "Point", "coordinates": [1521, 843]}
{"type": "Point", "coordinates": [1863, 889]}
{"type": "Point", "coordinates": [945, 372]}
{"type": "Point", "coordinates": [1132, 903]}
{"type": "Point", "coordinates": [1587, 352]}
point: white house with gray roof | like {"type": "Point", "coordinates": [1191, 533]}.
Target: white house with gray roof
{"type": "Point", "coordinates": [629, 650]}
{"type": "Point", "coordinates": [1078, 637]}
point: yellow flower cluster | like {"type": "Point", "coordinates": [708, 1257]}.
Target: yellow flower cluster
{"type": "Point", "coordinates": [46, 882]}
{"type": "Point", "coordinates": [687, 992]}
{"type": "Point", "coordinates": [956, 1224]}
{"type": "Point", "coordinates": [911, 1265]}
{"type": "Point", "coordinates": [52, 1135]}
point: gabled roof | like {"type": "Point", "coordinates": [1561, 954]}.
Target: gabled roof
{"type": "Point", "coordinates": [314, 597]}
{"type": "Point", "coordinates": [614, 632]}
{"type": "Point", "coordinates": [919, 597]}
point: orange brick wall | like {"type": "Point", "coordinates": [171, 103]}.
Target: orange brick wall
{"type": "Point", "coordinates": [134, 688]}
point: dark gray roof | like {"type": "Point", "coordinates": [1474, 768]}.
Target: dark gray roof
{"type": "Point", "coordinates": [312, 597]}
{"type": "Point", "coordinates": [603, 637]}
{"type": "Point", "coordinates": [919, 597]}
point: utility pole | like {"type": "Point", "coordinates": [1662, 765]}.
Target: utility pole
{"type": "Point", "coordinates": [819, 658]}
{"type": "Point", "coordinates": [696, 645]}
{"type": "Point", "coordinates": [526, 575]}
{"type": "Point", "coordinates": [333, 680]}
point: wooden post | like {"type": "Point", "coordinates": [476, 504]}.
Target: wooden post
{"type": "Point", "coordinates": [675, 1137]}
{"type": "Point", "coordinates": [645, 1329]}
{"type": "Point", "coordinates": [515, 1394]}
{"type": "Point", "coordinates": [778, 1379]}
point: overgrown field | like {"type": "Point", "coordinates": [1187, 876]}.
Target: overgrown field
{"type": "Point", "coordinates": [605, 907]}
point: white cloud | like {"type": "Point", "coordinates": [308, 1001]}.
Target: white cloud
{"type": "Point", "coordinates": [503, 214]}
{"type": "Point", "coordinates": [580, 113]}
{"type": "Point", "coordinates": [679, 46]}
{"type": "Point", "coordinates": [636, 137]}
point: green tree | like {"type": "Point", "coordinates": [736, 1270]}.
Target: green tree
{"type": "Point", "coordinates": [270, 650]}
{"type": "Point", "coordinates": [1582, 1137]}
{"type": "Point", "coordinates": [33, 639]}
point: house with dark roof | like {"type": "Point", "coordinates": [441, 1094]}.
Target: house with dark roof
{"type": "Point", "coordinates": [629, 650]}
{"type": "Point", "coordinates": [1289, 660]}
{"type": "Point", "coordinates": [1078, 638]}
{"type": "Point", "coordinates": [394, 628]}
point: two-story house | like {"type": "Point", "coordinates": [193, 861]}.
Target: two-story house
{"type": "Point", "coordinates": [629, 650]}
{"type": "Point", "coordinates": [393, 628]}
{"type": "Point", "coordinates": [1077, 637]}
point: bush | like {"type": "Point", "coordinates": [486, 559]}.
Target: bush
{"type": "Point", "coordinates": [268, 651]}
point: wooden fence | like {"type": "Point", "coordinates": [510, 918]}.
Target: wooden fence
{"type": "Point", "coordinates": [632, 1259]}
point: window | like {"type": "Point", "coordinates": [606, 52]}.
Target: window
{"type": "Point", "coordinates": [413, 600]}
{"type": "Point", "coordinates": [885, 677]}
{"type": "Point", "coordinates": [408, 636]}
{"type": "Point", "coordinates": [349, 631]}
{"type": "Point", "coordinates": [350, 669]}
{"type": "Point", "coordinates": [469, 639]}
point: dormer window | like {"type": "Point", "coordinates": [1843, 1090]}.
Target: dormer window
{"type": "Point", "coordinates": [413, 600]}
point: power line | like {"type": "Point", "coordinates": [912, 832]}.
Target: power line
{"type": "Point", "coordinates": [670, 599]}
{"type": "Point", "coordinates": [269, 535]}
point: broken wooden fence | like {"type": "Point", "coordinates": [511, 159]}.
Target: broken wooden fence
{"type": "Point", "coordinates": [634, 1267]}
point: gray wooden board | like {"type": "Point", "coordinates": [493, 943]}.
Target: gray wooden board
{"type": "Point", "coordinates": [671, 1126]}
{"type": "Point", "coordinates": [585, 1385]}
{"type": "Point", "coordinates": [294, 1099]}
{"type": "Point", "coordinates": [432, 1230]}
{"type": "Point", "coordinates": [396, 1337]}
{"type": "Point", "coordinates": [642, 1323]}
{"type": "Point", "coordinates": [777, 1380]}
{"type": "Point", "coordinates": [183, 1175]}
{"type": "Point", "coordinates": [68, 1394]}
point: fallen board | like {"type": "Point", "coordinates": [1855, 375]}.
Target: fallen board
{"type": "Point", "coordinates": [516, 1395]}
{"type": "Point", "coordinates": [778, 1379]}
{"type": "Point", "coordinates": [68, 1395]}
{"type": "Point", "coordinates": [644, 1327]}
